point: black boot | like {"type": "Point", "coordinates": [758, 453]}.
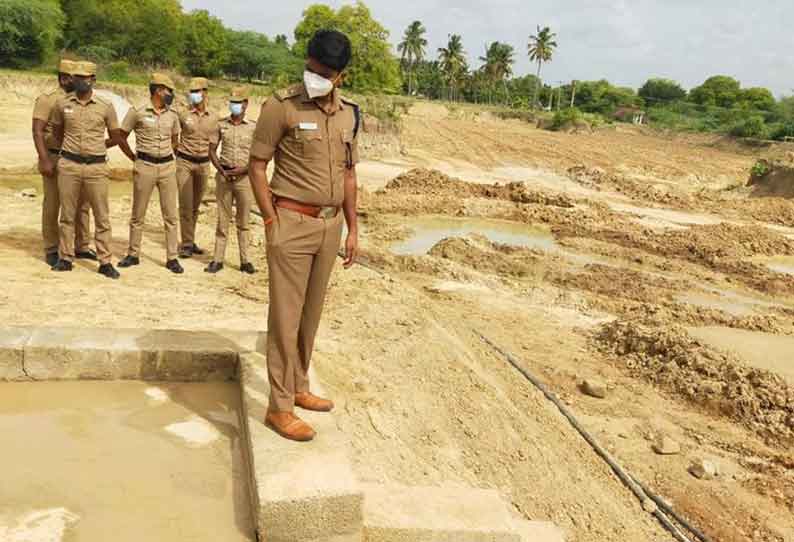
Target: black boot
{"type": "Point", "coordinates": [196, 250]}
{"type": "Point", "coordinates": [174, 267]}
{"type": "Point", "coordinates": [109, 271]}
{"type": "Point", "coordinates": [87, 255]}
{"type": "Point", "coordinates": [214, 267]}
{"type": "Point", "coordinates": [186, 252]}
{"type": "Point", "coordinates": [51, 258]}
{"type": "Point", "coordinates": [248, 267]}
{"type": "Point", "coordinates": [129, 261]}
{"type": "Point", "coordinates": [62, 265]}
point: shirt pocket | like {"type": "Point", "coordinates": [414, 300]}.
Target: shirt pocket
{"type": "Point", "coordinates": [310, 143]}
{"type": "Point", "coordinates": [344, 148]}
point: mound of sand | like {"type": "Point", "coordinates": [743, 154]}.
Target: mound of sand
{"type": "Point", "coordinates": [671, 358]}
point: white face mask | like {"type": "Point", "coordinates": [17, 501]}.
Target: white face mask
{"type": "Point", "coordinates": [196, 98]}
{"type": "Point", "coordinates": [316, 85]}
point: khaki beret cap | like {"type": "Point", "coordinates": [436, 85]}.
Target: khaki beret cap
{"type": "Point", "coordinates": [238, 94]}
{"type": "Point", "coordinates": [162, 79]}
{"type": "Point", "coordinates": [198, 83]}
{"type": "Point", "coordinates": [84, 69]}
{"type": "Point", "coordinates": [66, 66]}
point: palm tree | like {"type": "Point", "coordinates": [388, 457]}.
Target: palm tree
{"type": "Point", "coordinates": [453, 63]}
{"type": "Point", "coordinates": [412, 48]}
{"type": "Point", "coordinates": [541, 49]}
{"type": "Point", "coordinates": [499, 59]}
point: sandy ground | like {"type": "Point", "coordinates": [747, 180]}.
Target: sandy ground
{"type": "Point", "coordinates": [647, 241]}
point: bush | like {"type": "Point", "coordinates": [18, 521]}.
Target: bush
{"type": "Point", "coordinates": [118, 71]}
{"type": "Point", "coordinates": [566, 118]}
{"type": "Point", "coordinates": [29, 30]}
{"type": "Point", "coordinates": [781, 131]}
{"type": "Point", "coordinates": [97, 54]}
{"type": "Point", "coordinates": [754, 127]}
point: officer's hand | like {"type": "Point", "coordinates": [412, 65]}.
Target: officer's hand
{"type": "Point", "coordinates": [46, 167]}
{"type": "Point", "coordinates": [351, 250]}
{"type": "Point", "coordinates": [237, 172]}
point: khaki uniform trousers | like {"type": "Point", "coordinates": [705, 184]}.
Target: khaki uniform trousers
{"type": "Point", "coordinates": [192, 182]}
{"type": "Point", "coordinates": [146, 176]}
{"type": "Point", "coordinates": [92, 180]}
{"type": "Point", "coordinates": [51, 210]}
{"type": "Point", "coordinates": [239, 191]}
{"type": "Point", "coordinates": [301, 252]}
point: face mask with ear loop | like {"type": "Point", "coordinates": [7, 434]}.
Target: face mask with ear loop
{"type": "Point", "coordinates": [317, 86]}
{"type": "Point", "coordinates": [236, 109]}
{"type": "Point", "coordinates": [196, 98]}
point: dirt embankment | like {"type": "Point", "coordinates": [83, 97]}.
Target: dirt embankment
{"type": "Point", "coordinates": [671, 358]}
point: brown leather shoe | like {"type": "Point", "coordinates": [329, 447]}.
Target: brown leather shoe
{"type": "Point", "coordinates": [289, 426]}
{"type": "Point", "coordinates": [307, 401]}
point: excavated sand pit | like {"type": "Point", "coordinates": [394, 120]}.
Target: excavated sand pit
{"type": "Point", "coordinates": [122, 461]}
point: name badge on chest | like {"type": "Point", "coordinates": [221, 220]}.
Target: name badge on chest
{"type": "Point", "coordinates": [307, 126]}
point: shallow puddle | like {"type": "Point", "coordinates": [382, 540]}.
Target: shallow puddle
{"type": "Point", "coordinates": [773, 353]}
{"type": "Point", "coordinates": [19, 182]}
{"type": "Point", "coordinates": [122, 461]}
{"type": "Point", "coordinates": [734, 307]}
{"type": "Point", "coordinates": [662, 217]}
{"type": "Point", "coordinates": [428, 231]}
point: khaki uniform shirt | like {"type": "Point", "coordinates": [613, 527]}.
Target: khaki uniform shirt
{"type": "Point", "coordinates": [153, 129]}
{"type": "Point", "coordinates": [312, 148]}
{"type": "Point", "coordinates": [196, 130]}
{"type": "Point", "coordinates": [43, 111]}
{"type": "Point", "coordinates": [235, 141]}
{"type": "Point", "coordinates": [84, 125]}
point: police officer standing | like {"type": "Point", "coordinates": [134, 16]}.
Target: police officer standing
{"type": "Point", "coordinates": [231, 183]}
{"type": "Point", "coordinates": [311, 134]}
{"type": "Point", "coordinates": [156, 129]}
{"type": "Point", "coordinates": [192, 165]}
{"type": "Point", "coordinates": [48, 146]}
{"type": "Point", "coordinates": [83, 119]}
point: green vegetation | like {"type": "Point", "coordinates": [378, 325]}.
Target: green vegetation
{"type": "Point", "coordinates": [129, 38]}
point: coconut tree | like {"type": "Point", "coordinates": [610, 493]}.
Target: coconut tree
{"type": "Point", "coordinates": [541, 50]}
{"type": "Point", "coordinates": [412, 48]}
{"type": "Point", "coordinates": [453, 63]}
{"type": "Point", "coordinates": [498, 63]}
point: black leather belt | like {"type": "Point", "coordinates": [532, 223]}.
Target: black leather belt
{"type": "Point", "coordinates": [194, 159]}
{"type": "Point", "coordinates": [54, 151]}
{"type": "Point", "coordinates": [87, 159]}
{"type": "Point", "coordinates": [154, 159]}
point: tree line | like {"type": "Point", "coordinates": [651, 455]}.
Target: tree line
{"type": "Point", "coordinates": [160, 34]}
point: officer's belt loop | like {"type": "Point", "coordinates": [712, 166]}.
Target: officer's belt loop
{"type": "Point", "coordinates": [84, 159]}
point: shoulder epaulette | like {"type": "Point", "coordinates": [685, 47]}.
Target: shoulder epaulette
{"type": "Point", "coordinates": [289, 92]}
{"type": "Point", "coordinates": [356, 113]}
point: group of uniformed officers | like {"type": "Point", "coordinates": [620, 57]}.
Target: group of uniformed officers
{"type": "Point", "coordinates": [308, 130]}
{"type": "Point", "coordinates": [173, 150]}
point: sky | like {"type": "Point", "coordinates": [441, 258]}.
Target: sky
{"type": "Point", "coordinates": [624, 41]}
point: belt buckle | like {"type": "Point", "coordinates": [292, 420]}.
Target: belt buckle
{"type": "Point", "coordinates": [327, 212]}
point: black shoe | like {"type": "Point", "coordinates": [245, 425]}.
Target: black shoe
{"type": "Point", "coordinates": [87, 255]}
{"type": "Point", "coordinates": [109, 271]}
{"type": "Point", "coordinates": [129, 261]}
{"type": "Point", "coordinates": [186, 252]}
{"type": "Point", "coordinates": [62, 265]}
{"type": "Point", "coordinates": [213, 267]}
{"type": "Point", "coordinates": [196, 250]}
{"type": "Point", "coordinates": [51, 258]}
{"type": "Point", "coordinates": [174, 267]}
{"type": "Point", "coordinates": [248, 267]}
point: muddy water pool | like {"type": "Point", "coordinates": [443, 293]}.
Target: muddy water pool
{"type": "Point", "coordinates": [122, 461]}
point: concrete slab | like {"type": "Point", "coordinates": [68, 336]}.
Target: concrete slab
{"type": "Point", "coordinates": [429, 514]}
{"type": "Point", "coordinates": [301, 491]}
{"type": "Point", "coordinates": [119, 354]}
{"type": "Point", "coordinates": [12, 351]}
{"type": "Point", "coordinates": [539, 531]}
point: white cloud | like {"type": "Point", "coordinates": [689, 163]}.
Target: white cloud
{"type": "Point", "coordinates": [625, 41]}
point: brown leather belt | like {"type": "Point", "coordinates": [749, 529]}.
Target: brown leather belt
{"type": "Point", "coordinates": [305, 209]}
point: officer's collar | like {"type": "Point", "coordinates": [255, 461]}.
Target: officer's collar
{"type": "Point", "coordinates": [336, 99]}
{"type": "Point", "coordinates": [229, 120]}
{"type": "Point", "coordinates": [194, 109]}
{"type": "Point", "coordinates": [74, 98]}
